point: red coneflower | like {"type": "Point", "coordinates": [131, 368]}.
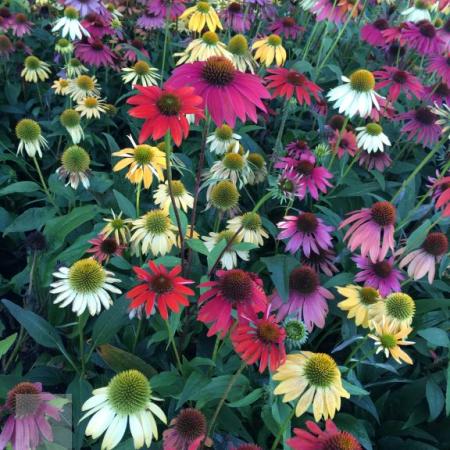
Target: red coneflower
{"type": "Point", "coordinates": [233, 290]}
{"type": "Point", "coordinates": [186, 431]}
{"type": "Point", "coordinates": [444, 198]}
{"type": "Point", "coordinates": [165, 110]}
{"type": "Point", "coordinates": [398, 81]}
{"type": "Point", "coordinates": [104, 247]}
{"type": "Point", "coordinates": [165, 289]}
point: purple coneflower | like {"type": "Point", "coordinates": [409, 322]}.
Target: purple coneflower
{"type": "Point", "coordinates": [234, 17]}
{"type": "Point", "coordinates": [186, 431]}
{"type": "Point", "coordinates": [97, 26]}
{"type": "Point", "coordinates": [378, 160]}
{"type": "Point", "coordinates": [440, 65]}
{"type": "Point", "coordinates": [131, 55]}
{"type": "Point", "coordinates": [372, 229]}
{"type": "Point", "coordinates": [94, 52]}
{"type": "Point", "coordinates": [323, 261]}
{"type": "Point", "coordinates": [381, 274]}
{"type": "Point", "coordinates": [328, 10]}
{"type": "Point", "coordinates": [162, 7]}
{"type": "Point", "coordinates": [438, 94]}
{"type": "Point", "coordinates": [20, 25]}
{"type": "Point", "coordinates": [422, 37]}
{"type": "Point", "coordinates": [372, 32]}
{"type": "Point", "coordinates": [84, 7]}
{"type": "Point", "coordinates": [296, 149]}
{"type": "Point", "coordinates": [398, 81]}
{"type": "Point", "coordinates": [286, 26]}
{"type": "Point", "coordinates": [150, 21]}
{"type": "Point", "coordinates": [347, 143]}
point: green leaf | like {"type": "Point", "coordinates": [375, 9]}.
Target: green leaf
{"type": "Point", "coordinates": [80, 390]}
{"type": "Point", "coordinates": [124, 204]}
{"type": "Point", "coordinates": [216, 252]}
{"type": "Point", "coordinates": [435, 399]}
{"type": "Point", "coordinates": [435, 336]}
{"type": "Point", "coordinates": [109, 322]}
{"type": "Point", "coordinates": [248, 399]}
{"type": "Point", "coordinates": [31, 219]}
{"type": "Point", "coordinates": [195, 383]}
{"type": "Point", "coordinates": [417, 237]}
{"type": "Point", "coordinates": [280, 267]}
{"type": "Point", "coordinates": [6, 344]}
{"type": "Point", "coordinates": [21, 187]}
{"type": "Point", "coordinates": [353, 389]}
{"type": "Point", "coordinates": [197, 245]}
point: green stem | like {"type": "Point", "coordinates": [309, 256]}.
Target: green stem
{"type": "Point", "coordinates": [261, 201]}
{"type": "Point", "coordinates": [138, 332]}
{"type": "Point", "coordinates": [174, 347]}
{"type": "Point", "coordinates": [283, 428]}
{"type": "Point", "coordinates": [309, 41]}
{"type": "Point", "coordinates": [44, 185]}
{"type": "Point", "coordinates": [138, 198]}
{"type": "Point", "coordinates": [278, 145]}
{"type": "Point", "coordinates": [81, 344]}
{"type": "Point", "coordinates": [166, 42]}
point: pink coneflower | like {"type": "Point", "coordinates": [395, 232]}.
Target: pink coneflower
{"type": "Point", "coordinates": [321, 107]}
{"type": "Point", "coordinates": [162, 7]}
{"type": "Point", "coordinates": [440, 65]}
{"type": "Point", "coordinates": [438, 94]}
{"type": "Point", "coordinates": [130, 54]}
{"type": "Point", "coordinates": [97, 26]}
{"type": "Point", "coordinates": [372, 32]}
{"type": "Point", "coordinates": [228, 94]}
{"type": "Point", "coordinates": [307, 298]}
{"type": "Point", "coordinates": [28, 408]}
{"type": "Point", "coordinates": [287, 82]}
{"type": "Point", "coordinates": [20, 25]}
{"type": "Point", "coordinates": [84, 7]}
{"type": "Point", "coordinates": [422, 37]}
{"type": "Point", "coordinates": [260, 339]}
{"type": "Point", "coordinates": [420, 125]}
{"type": "Point", "coordinates": [436, 188]}
{"type": "Point", "coordinates": [150, 21]}
{"type": "Point", "coordinates": [328, 10]}
{"type": "Point", "coordinates": [287, 26]}
{"type": "Point", "coordinates": [398, 81]}
{"type": "Point", "coordinates": [296, 149]}
{"type": "Point", "coordinates": [347, 143]}
{"type": "Point", "coordinates": [233, 290]}
{"type": "Point", "coordinates": [378, 160]}
{"type": "Point", "coordinates": [234, 17]}
{"type": "Point", "coordinates": [372, 229]}
{"type": "Point", "coordinates": [5, 17]}
{"type": "Point", "coordinates": [423, 260]}
{"type": "Point", "coordinates": [386, 110]}
{"type": "Point", "coordinates": [95, 52]}
{"type": "Point", "coordinates": [306, 232]}
{"type": "Point", "coordinates": [6, 47]}
{"type": "Point", "coordinates": [104, 248]}
{"type": "Point", "coordinates": [324, 261]}
{"type": "Point", "coordinates": [381, 275]}
{"type": "Point", "coordinates": [317, 439]}
{"type": "Point", "coordinates": [444, 33]}
{"type": "Point", "coordinates": [186, 431]}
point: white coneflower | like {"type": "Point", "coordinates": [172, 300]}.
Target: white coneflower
{"type": "Point", "coordinates": [35, 70]}
{"type": "Point", "coordinates": [229, 258]}
{"type": "Point", "coordinates": [371, 138]}
{"type": "Point", "coordinates": [83, 86]}
{"type": "Point", "coordinates": [250, 226]}
{"type": "Point", "coordinates": [126, 400]}
{"type": "Point", "coordinates": [63, 46]}
{"type": "Point", "coordinates": [75, 166]}
{"type": "Point", "coordinates": [258, 166]}
{"type": "Point", "coordinates": [233, 166]}
{"type": "Point", "coordinates": [90, 107]}
{"type": "Point", "coordinates": [223, 196]}
{"type": "Point", "coordinates": [61, 86]}
{"type": "Point", "coordinates": [183, 199]}
{"type": "Point", "coordinates": [70, 25]}
{"type": "Point", "coordinates": [444, 117]}
{"type": "Point", "coordinates": [240, 54]}
{"type": "Point", "coordinates": [70, 120]}
{"type": "Point", "coordinates": [153, 231]}
{"type": "Point", "coordinates": [86, 284]}
{"type": "Point", "coordinates": [141, 73]}
{"type": "Point", "coordinates": [30, 138]}
{"type": "Point", "coordinates": [419, 11]}
{"type": "Point", "coordinates": [357, 95]}
{"type": "Point", "coordinates": [223, 139]}
{"type": "Point", "coordinates": [118, 227]}
{"type": "Point", "coordinates": [74, 68]}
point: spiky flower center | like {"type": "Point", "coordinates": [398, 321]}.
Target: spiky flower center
{"type": "Point", "coordinates": [20, 18]}
{"type": "Point", "coordinates": [157, 222]}
{"type": "Point", "coordinates": [307, 222]}
{"type": "Point", "coordinates": [320, 370]}
{"type": "Point", "coordinates": [336, 122]}
{"type": "Point", "coordinates": [341, 441]}
{"type": "Point", "coordinates": [71, 13]}
{"type": "Point", "coordinates": [86, 276]}
{"type": "Point", "coordinates": [90, 102]}
{"type": "Point", "coordinates": [63, 43]}
{"type": "Point", "coordinates": [400, 306]}
{"type": "Point", "coordinates": [383, 213]}
{"type": "Point", "coordinates": [23, 399]}
{"type": "Point", "coordinates": [381, 24]}
{"type": "Point", "coordinates": [75, 63]}
{"type": "Point", "coordinates": [274, 40]}
{"type": "Point", "coordinates": [236, 286]}
{"type": "Point", "coordinates": [190, 424]}
{"type": "Point", "coordinates": [400, 77]}
{"type": "Point", "coordinates": [442, 90]}
{"type": "Point", "coordinates": [161, 284]}
{"type": "Point", "coordinates": [305, 167]}
{"type": "Point", "coordinates": [295, 78]}
{"type": "Point", "coordinates": [362, 81]}
{"type": "Point", "coordinates": [238, 45]}
{"type": "Point", "coordinates": [234, 8]}
{"type": "Point", "coordinates": [143, 154]}
{"type": "Point", "coordinates": [425, 116]}
{"type": "Point", "coordinates": [97, 45]}
{"type": "Point", "coordinates": [32, 62]}
{"type": "Point", "coordinates": [382, 269]}
{"type": "Point", "coordinates": [256, 159]}
{"type": "Point", "coordinates": [129, 392]}
{"type": "Point", "coordinates": [303, 280]}
{"type": "Point", "coordinates": [288, 22]}
{"type": "Point", "coordinates": [117, 224]}
{"type": "Point", "coordinates": [224, 132]}
{"type": "Point", "coordinates": [109, 246]}
{"type": "Point", "coordinates": [268, 332]}
{"type": "Point", "coordinates": [210, 38]}
{"type": "Point", "coordinates": [233, 161]}
{"type": "Point", "coordinates": [426, 29]}
{"type": "Point", "coordinates": [251, 221]}
{"type": "Point", "coordinates": [75, 159]}
{"type": "Point", "coordinates": [421, 4]}
{"type": "Point", "coordinates": [388, 340]}
{"type": "Point", "coordinates": [141, 68]}
{"type": "Point", "coordinates": [218, 71]}
{"type": "Point", "coordinates": [28, 130]}
{"type": "Point", "coordinates": [228, 235]}
{"type": "Point", "coordinates": [295, 330]}
{"type": "Point", "coordinates": [169, 104]}
{"type": "Point", "coordinates": [85, 83]}
{"type": "Point", "coordinates": [178, 188]}
{"type": "Point", "coordinates": [203, 7]}
{"type": "Point", "coordinates": [374, 129]}
{"type": "Point", "coordinates": [224, 195]}
{"type": "Point", "coordinates": [70, 118]}
{"type": "Point", "coordinates": [436, 244]}
{"type": "Point", "coordinates": [369, 295]}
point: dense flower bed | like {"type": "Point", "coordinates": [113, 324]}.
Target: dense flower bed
{"type": "Point", "coordinates": [225, 224]}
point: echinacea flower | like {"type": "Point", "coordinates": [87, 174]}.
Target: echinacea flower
{"type": "Point", "coordinates": [381, 275]}
{"type": "Point", "coordinates": [91, 107]}
{"type": "Point", "coordinates": [143, 162]}
{"type": "Point", "coordinates": [70, 25]}
{"type": "Point", "coordinates": [422, 37]}
{"type": "Point", "coordinates": [117, 227]}
{"type": "Point", "coordinates": [233, 289]}
{"type": "Point", "coordinates": [127, 399]}
{"type": "Point", "coordinates": [165, 110]}
{"type": "Point", "coordinates": [423, 261]}
{"type": "Point", "coordinates": [372, 32]}
{"type": "Point", "coordinates": [250, 228]}
{"type": "Point", "coordinates": [270, 49]}
{"type": "Point", "coordinates": [30, 138]}
{"type": "Point", "coordinates": [418, 12]}
{"type": "Point", "coordinates": [371, 138]}
{"type": "Point", "coordinates": [307, 298]}
{"type": "Point", "coordinates": [358, 302]}
{"type": "Point", "coordinates": [444, 198]}
{"type": "Point", "coordinates": [398, 81]}
{"type": "Point", "coordinates": [224, 196]}
{"type": "Point", "coordinates": [200, 15]}
{"type": "Point", "coordinates": [323, 261]}
{"type": "Point", "coordinates": [260, 340]}
{"type": "Point", "coordinates": [287, 26]}
{"type": "Point", "coordinates": [85, 284]}
{"type": "Point", "coordinates": [104, 247]}
{"type": "Point", "coordinates": [186, 431]}
{"type": "Point", "coordinates": [61, 86]}
{"type": "Point", "coordinates": [75, 167]}
{"type": "Point", "coordinates": [227, 93]}
{"type": "Point", "coordinates": [374, 161]}
{"type": "Point", "coordinates": [230, 256]}
{"type": "Point", "coordinates": [94, 52]}
{"type": "Point", "coordinates": [63, 47]}
{"type": "Point", "coordinates": [389, 339]}
{"type": "Point", "coordinates": [223, 139]}
{"type": "Point", "coordinates": [84, 7]}
{"type": "Point", "coordinates": [161, 289]}
{"type": "Point", "coordinates": [141, 73]}
{"type": "Point", "coordinates": [331, 438]}
{"type": "Point", "coordinates": [343, 142]}
{"type": "Point", "coordinates": [235, 17]}
{"type": "Point", "coordinates": [35, 70]}
{"type": "Point", "coordinates": [357, 95]}
{"type": "Point", "coordinates": [233, 166]}
{"type": "Point", "coordinates": [314, 379]}
{"type": "Point", "coordinates": [20, 25]}
{"type": "Point", "coordinates": [372, 229]}
{"type": "Point", "coordinates": [327, 10]}
{"type": "Point", "coordinates": [240, 54]}
{"type": "Point", "coordinates": [440, 65]}
{"type": "Point", "coordinates": [397, 309]}
{"type": "Point", "coordinates": [6, 46]}
{"type": "Point", "coordinates": [27, 411]}
{"type": "Point", "coordinates": [74, 68]}
{"type": "Point", "coordinates": [70, 120]}
{"type": "Point", "coordinates": [150, 21]}
{"type": "Point", "coordinates": [438, 94]}
{"type": "Point", "coordinates": [183, 199]}
{"type": "Point", "coordinates": [258, 166]}
{"type": "Point", "coordinates": [296, 332]}
{"type": "Point", "coordinates": [287, 82]}
{"type": "Point", "coordinates": [305, 231]}
{"type": "Point", "coordinates": [83, 86]}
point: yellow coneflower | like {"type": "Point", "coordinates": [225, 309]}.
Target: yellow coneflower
{"type": "Point", "coordinates": [61, 86]}
{"type": "Point", "coordinates": [270, 49]}
{"type": "Point", "coordinates": [83, 86]}
{"type": "Point", "coordinates": [35, 70]}
{"type": "Point", "coordinates": [250, 226]}
{"type": "Point", "coordinates": [118, 227]}
{"type": "Point", "coordinates": [398, 309]}
{"type": "Point", "coordinates": [200, 15]}
{"type": "Point", "coordinates": [141, 73]}
{"type": "Point", "coordinates": [183, 199]}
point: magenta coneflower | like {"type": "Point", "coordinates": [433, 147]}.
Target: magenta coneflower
{"type": "Point", "coordinates": [28, 408]}
{"type": "Point", "coordinates": [381, 274]}
{"type": "Point", "coordinates": [186, 431]}
{"type": "Point", "coordinates": [440, 65]}
{"type": "Point", "coordinates": [307, 298]}
{"type": "Point", "coordinates": [20, 25]}
{"type": "Point", "coordinates": [444, 32]}
{"type": "Point", "coordinates": [131, 55]}
{"type": "Point", "coordinates": [372, 32]}
{"type": "Point", "coordinates": [104, 248]}
{"type": "Point", "coordinates": [423, 260]}
{"type": "Point", "coordinates": [84, 7]}
{"type": "Point", "coordinates": [420, 125]}
{"type": "Point", "coordinates": [162, 7]}
{"type": "Point", "coordinates": [324, 261]}
{"type": "Point", "coordinates": [438, 94]}
{"type": "Point", "coordinates": [296, 149]}
{"type": "Point", "coordinates": [306, 232]}
{"type": "Point", "coordinates": [347, 143]}
{"type": "Point", "coordinates": [398, 81]}
{"type": "Point", "coordinates": [393, 35]}
{"type": "Point", "coordinates": [227, 93]}
{"type": "Point", "coordinates": [328, 10]}
{"type": "Point", "coordinates": [286, 26]}
{"type": "Point", "coordinates": [233, 16]}
{"type": "Point", "coordinates": [386, 110]}
{"type": "Point", "coordinates": [234, 289]}
{"type": "Point", "coordinates": [287, 82]}
{"type": "Point", "coordinates": [372, 229]}
{"type": "Point", "coordinates": [422, 37]}
{"type": "Point", "coordinates": [95, 52]}
{"type": "Point", "coordinates": [97, 26]}
{"type": "Point", "coordinates": [378, 160]}
{"type": "Point", "coordinates": [150, 21]}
